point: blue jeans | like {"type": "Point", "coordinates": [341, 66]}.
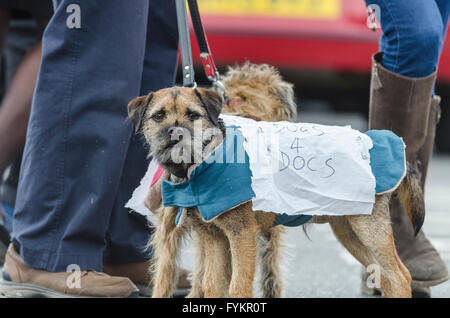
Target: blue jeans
{"type": "Point", "coordinates": [413, 34]}
{"type": "Point", "coordinates": [82, 159]}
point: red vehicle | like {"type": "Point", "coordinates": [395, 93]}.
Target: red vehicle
{"type": "Point", "coordinates": [324, 46]}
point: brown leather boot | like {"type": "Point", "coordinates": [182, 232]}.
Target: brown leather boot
{"type": "Point", "coordinates": [417, 253]}
{"type": "Point", "coordinates": [139, 274]}
{"type": "Point", "coordinates": [405, 106]}
{"type": "Point", "coordinates": [21, 280]}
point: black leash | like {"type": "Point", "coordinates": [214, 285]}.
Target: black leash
{"type": "Point", "coordinates": [209, 66]}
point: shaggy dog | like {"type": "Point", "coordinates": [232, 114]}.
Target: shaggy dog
{"type": "Point", "coordinates": [227, 246]}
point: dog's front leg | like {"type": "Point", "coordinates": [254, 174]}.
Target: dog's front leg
{"type": "Point", "coordinates": [242, 231]}
{"type": "Point", "coordinates": [165, 244]}
{"type": "Point", "coordinates": [199, 269]}
{"type": "Point", "coordinates": [216, 261]}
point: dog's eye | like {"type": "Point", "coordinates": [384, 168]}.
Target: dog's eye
{"type": "Point", "coordinates": [193, 116]}
{"type": "Point", "coordinates": [158, 117]}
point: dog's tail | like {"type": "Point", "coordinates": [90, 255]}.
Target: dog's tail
{"type": "Point", "coordinates": [411, 196]}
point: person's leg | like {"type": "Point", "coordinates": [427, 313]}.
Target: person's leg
{"type": "Point", "coordinates": [160, 61]}
{"type": "Point", "coordinates": [425, 153]}
{"type": "Point", "coordinates": [15, 108]}
{"type": "Point", "coordinates": [127, 246]}
{"type": "Point", "coordinates": [78, 136]}
{"type": "Point", "coordinates": [444, 9]}
{"type": "Point", "coordinates": [412, 36]}
{"type": "Point", "coordinates": [403, 78]}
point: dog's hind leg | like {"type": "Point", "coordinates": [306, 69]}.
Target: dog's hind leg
{"type": "Point", "coordinates": [165, 244]}
{"type": "Point", "coordinates": [375, 232]}
{"type": "Point", "coordinates": [348, 238]}
{"type": "Point", "coordinates": [270, 254]}
{"type": "Point", "coordinates": [242, 231]}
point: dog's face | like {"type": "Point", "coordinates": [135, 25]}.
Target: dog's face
{"type": "Point", "coordinates": [170, 120]}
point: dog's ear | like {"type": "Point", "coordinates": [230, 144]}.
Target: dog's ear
{"type": "Point", "coordinates": [212, 101]}
{"type": "Point", "coordinates": [137, 108]}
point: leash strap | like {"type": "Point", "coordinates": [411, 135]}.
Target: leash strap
{"type": "Point", "coordinates": [205, 52]}
{"type": "Point", "coordinates": [209, 66]}
{"type": "Point", "coordinates": [185, 44]}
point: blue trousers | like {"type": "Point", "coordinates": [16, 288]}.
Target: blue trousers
{"type": "Point", "coordinates": [82, 159]}
{"type": "Point", "coordinates": [413, 34]}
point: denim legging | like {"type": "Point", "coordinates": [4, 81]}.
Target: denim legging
{"type": "Point", "coordinates": [413, 34]}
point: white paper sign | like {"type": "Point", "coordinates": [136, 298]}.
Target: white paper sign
{"type": "Point", "coordinates": [136, 202]}
{"type": "Point", "coordinates": [302, 168]}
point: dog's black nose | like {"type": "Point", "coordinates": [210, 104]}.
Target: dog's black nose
{"type": "Point", "coordinates": [176, 132]}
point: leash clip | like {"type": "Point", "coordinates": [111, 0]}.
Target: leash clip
{"type": "Point", "coordinates": [217, 83]}
{"type": "Point", "coordinates": [209, 66]}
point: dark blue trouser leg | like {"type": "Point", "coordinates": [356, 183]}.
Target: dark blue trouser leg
{"type": "Point", "coordinates": [81, 158]}
{"type": "Point", "coordinates": [159, 71]}
{"type": "Point", "coordinates": [413, 34]}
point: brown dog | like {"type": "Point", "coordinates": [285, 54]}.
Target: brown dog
{"type": "Point", "coordinates": [227, 246]}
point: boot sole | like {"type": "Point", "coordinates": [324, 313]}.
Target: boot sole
{"type": "Point", "coordinates": [417, 284]}
{"type": "Point", "coordinates": [22, 290]}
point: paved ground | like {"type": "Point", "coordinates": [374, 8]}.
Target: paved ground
{"type": "Point", "coordinates": [323, 268]}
